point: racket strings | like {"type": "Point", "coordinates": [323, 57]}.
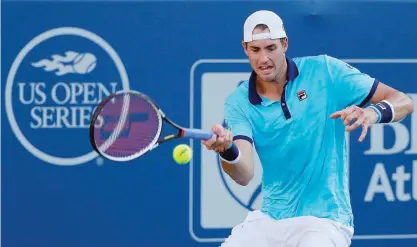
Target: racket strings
{"type": "Point", "coordinates": [120, 123]}
{"type": "Point", "coordinates": [130, 126]}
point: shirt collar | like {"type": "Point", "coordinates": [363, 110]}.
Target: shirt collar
{"type": "Point", "coordinates": [292, 73]}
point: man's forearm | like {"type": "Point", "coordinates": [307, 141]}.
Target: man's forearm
{"type": "Point", "coordinates": [402, 103]}
{"type": "Point", "coordinates": [241, 171]}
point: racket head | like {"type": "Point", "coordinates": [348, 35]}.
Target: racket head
{"type": "Point", "coordinates": [125, 126]}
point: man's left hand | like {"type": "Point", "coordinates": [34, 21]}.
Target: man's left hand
{"type": "Point", "coordinates": [364, 117]}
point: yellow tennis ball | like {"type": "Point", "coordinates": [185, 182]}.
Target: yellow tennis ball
{"type": "Point", "coordinates": [182, 154]}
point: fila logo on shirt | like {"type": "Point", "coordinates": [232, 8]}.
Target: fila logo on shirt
{"type": "Point", "coordinates": [301, 95]}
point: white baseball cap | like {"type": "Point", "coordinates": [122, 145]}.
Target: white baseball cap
{"type": "Point", "coordinates": [269, 18]}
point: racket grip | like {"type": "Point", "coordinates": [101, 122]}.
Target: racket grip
{"type": "Point", "coordinates": [197, 134]}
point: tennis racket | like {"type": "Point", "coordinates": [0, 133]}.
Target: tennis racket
{"type": "Point", "coordinates": [128, 124]}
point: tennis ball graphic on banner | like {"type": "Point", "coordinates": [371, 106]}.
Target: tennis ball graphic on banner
{"type": "Point", "coordinates": [84, 63]}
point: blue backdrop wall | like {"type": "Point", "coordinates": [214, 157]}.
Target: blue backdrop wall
{"type": "Point", "coordinates": [59, 58]}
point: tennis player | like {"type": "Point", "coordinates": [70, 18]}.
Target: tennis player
{"type": "Point", "coordinates": [295, 112]}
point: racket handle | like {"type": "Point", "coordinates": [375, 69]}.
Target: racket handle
{"type": "Point", "coordinates": [197, 134]}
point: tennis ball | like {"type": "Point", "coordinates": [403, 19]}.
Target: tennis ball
{"type": "Point", "coordinates": [182, 154]}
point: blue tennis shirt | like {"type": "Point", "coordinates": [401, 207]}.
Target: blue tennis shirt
{"type": "Point", "coordinates": [302, 150]}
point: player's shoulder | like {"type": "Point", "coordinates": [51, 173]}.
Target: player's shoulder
{"type": "Point", "coordinates": [312, 61]}
{"type": "Point", "coordinates": [320, 65]}
{"type": "Point", "coordinates": [240, 95]}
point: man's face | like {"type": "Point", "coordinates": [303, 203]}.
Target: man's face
{"type": "Point", "coordinates": [267, 57]}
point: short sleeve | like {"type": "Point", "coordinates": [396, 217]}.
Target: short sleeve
{"type": "Point", "coordinates": [352, 86]}
{"type": "Point", "coordinates": [237, 122]}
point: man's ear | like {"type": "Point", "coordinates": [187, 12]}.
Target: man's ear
{"type": "Point", "coordinates": [284, 42]}
{"type": "Point", "coordinates": [245, 47]}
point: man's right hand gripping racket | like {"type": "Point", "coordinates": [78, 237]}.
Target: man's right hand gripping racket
{"type": "Point", "coordinates": [128, 124]}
